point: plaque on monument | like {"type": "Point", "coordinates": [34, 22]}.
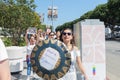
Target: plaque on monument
{"type": "Point", "coordinates": [50, 59]}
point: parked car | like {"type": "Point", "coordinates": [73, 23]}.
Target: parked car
{"type": "Point", "coordinates": [4, 33]}
{"type": "Point", "coordinates": [117, 32]}
{"type": "Point", "coordinates": [108, 33]}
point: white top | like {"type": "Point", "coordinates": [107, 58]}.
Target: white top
{"type": "Point", "coordinates": [30, 48]}
{"type": "Point", "coordinates": [71, 74]}
{"type": "Point", "coordinates": [3, 52]}
{"type": "Point", "coordinates": [74, 54]}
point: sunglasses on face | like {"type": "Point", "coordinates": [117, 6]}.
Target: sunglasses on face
{"type": "Point", "coordinates": [64, 33]}
{"type": "Point", "coordinates": [51, 35]}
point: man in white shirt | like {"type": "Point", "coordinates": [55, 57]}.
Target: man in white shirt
{"type": "Point", "coordinates": [4, 63]}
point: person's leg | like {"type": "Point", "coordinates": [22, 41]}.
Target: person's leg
{"type": "Point", "coordinates": [28, 69]}
{"type": "Point", "coordinates": [34, 75]}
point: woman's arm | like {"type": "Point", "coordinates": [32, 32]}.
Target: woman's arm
{"type": "Point", "coordinates": [80, 66]}
{"type": "Point", "coordinates": [5, 70]}
{"type": "Point", "coordinates": [79, 62]}
{"type": "Point", "coordinates": [38, 38]}
{"type": "Point", "coordinates": [26, 39]}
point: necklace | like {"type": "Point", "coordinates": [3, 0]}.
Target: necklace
{"type": "Point", "coordinates": [70, 47]}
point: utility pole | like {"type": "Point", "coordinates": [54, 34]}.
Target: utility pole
{"type": "Point", "coordinates": [52, 17]}
{"type": "Point", "coordinates": [52, 14]}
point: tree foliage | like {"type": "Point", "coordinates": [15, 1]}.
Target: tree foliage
{"type": "Point", "coordinates": [109, 13]}
{"type": "Point", "coordinates": [16, 16]}
{"type": "Point", "coordinates": [114, 11]}
{"type": "Point", "coordinates": [100, 12]}
{"type": "Point", "coordinates": [86, 15]}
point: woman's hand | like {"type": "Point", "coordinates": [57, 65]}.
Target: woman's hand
{"type": "Point", "coordinates": [86, 77]}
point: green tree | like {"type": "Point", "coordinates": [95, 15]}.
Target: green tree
{"type": "Point", "coordinates": [16, 16]}
{"type": "Point", "coordinates": [100, 12]}
{"type": "Point", "coordinates": [114, 12]}
{"type": "Point", "coordinates": [65, 25]}
{"type": "Point", "coordinates": [86, 15]}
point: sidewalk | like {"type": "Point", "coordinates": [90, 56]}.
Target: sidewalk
{"type": "Point", "coordinates": [23, 75]}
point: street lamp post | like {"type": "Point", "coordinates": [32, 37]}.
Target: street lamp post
{"type": "Point", "coordinates": [52, 17]}
{"type": "Point", "coordinates": [52, 14]}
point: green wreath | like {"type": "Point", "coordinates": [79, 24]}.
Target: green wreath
{"type": "Point", "coordinates": [47, 66]}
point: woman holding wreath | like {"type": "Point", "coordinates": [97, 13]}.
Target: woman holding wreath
{"type": "Point", "coordinates": [68, 39]}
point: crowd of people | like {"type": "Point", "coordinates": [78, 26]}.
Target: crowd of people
{"type": "Point", "coordinates": [33, 39]}
{"type": "Point", "coordinates": [66, 36]}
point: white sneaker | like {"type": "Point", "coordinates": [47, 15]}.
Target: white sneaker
{"type": "Point", "coordinates": [34, 75]}
{"type": "Point", "coordinates": [28, 78]}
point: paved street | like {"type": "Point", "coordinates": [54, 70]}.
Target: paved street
{"type": "Point", "coordinates": [112, 61]}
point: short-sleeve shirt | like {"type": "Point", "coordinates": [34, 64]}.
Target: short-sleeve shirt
{"type": "Point", "coordinates": [3, 52]}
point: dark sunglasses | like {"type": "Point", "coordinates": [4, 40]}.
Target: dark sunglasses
{"type": "Point", "coordinates": [64, 33]}
{"type": "Point", "coordinates": [52, 35]}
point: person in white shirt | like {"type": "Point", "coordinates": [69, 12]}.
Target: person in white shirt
{"type": "Point", "coordinates": [68, 39]}
{"type": "Point", "coordinates": [30, 43]}
{"type": "Point", "coordinates": [4, 63]}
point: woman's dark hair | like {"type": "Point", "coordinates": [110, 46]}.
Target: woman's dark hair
{"type": "Point", "coordinates": [72, 41]}
{"type": "Point", "coordinates": [52, 33]}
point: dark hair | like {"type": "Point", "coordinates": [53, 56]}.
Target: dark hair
{"type": "Point", "coordinates": [72, 41]}
{"type": "Point", "coordinates": [51, 33]}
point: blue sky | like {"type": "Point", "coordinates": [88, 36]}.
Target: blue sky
{"type": "Point", "coordinates": [68, 10]}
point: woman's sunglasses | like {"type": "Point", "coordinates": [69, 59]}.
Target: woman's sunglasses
{"type": "Point", "coordinates": [64, 33]}
{"type": "Point", "coordinates": [52, 35]}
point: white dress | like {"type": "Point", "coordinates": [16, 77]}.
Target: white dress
{"type": "Point", "coordinates": [71, 74]}
{"type": "Point", "coordinates": [30, 48]}
{"type": "Point", "coordinates": [3, 52]}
